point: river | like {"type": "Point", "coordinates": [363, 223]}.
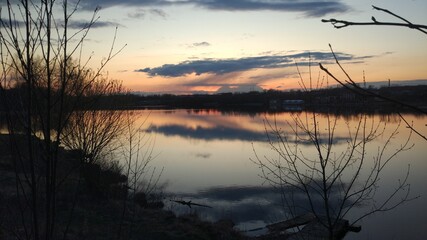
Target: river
{"type": "Point", "coordinates": [209, 158]}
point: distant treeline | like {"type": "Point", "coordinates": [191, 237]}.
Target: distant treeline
{"type": "Point", "coordinates": [289, 100]}
{"type": "Point", "coordinates": [271, 100]}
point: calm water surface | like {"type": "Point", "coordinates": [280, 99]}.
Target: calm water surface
{"type": "Point", "coordinates": [206, 159]}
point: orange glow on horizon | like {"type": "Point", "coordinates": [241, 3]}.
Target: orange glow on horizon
{"type": "Point", "coordinates": [204, 89]}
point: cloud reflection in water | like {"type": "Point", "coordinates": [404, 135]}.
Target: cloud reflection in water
{"type": "Point", "coordinates": [226, 133]}
{"type": "Point", "coordinates": [247, 204]}
{"type": "Point", "coordinates": [214, 133]}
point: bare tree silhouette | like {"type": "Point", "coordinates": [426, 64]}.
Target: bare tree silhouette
{"type": "Point", "coordinates": [343, 171]}
{"type": "Point", "coordinates": [334, 180]}
{"type": "Point", "coordinates": [41, 63]}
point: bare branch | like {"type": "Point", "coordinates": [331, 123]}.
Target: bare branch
{"type": "Point", "coordinates": [360, 90]}
{"type": "Point", "coordinates": [343, 23]}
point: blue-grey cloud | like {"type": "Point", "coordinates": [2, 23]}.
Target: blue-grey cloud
{"type": "Point", "coordinates": [14, 23]}
{"type": "Point", "coordinates": [311, 8]}
{"type": "Point", "coordinates": [239, 88]}
{"type": "Point", "coordinates": [97, 24]}
{"type": "Point", "coordinates": [201, 44]}
{"type": "Point", "coordinates": [140, 13]}
{"type": "Point", "coordinates": [216, 66]}
{"type": "Point", "coordinates": [223, 66]}
{"type": "Point", "coordinates": [235, 193]}
{"type": "Point", "coordinates": [76, 24]}
{"type": "Point", "coordinates": [158, 12]}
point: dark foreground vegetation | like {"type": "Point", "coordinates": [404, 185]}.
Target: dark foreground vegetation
{"type": "Point", "coordinates": [93, 202]}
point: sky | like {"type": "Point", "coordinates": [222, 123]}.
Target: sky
{"type": "Point", "coordinates": [198, 46]}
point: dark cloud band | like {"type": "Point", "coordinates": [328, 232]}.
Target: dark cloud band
{"type": "Point", "coordinates": [223, 66]}
{"type": "Point", "coordinates": [97, 24]}
{"type": "Point", "coordinates": [310, 8]}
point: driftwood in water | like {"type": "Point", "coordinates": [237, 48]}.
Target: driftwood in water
{"type": "Point", "coordinates": [311, 228]}
{"type": "Point", "coordinates": [291, 223]}
{"type": "Point", "coordinates": [189, 204]}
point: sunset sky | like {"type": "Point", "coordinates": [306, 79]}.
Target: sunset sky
{"type": "Point", "coordinates": [187, 46]}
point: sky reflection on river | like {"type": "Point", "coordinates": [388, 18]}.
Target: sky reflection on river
{"type": "Point", "coordinates": [206, 156]}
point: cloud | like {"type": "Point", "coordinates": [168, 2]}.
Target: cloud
{"type": "Point", "coordinates": [228, 79]}
{"type": "Point", "coordinates": [7, 22]}
{"type": "Point", "coordinates": [224, 66]}
{"type": "Point", "coordinates": [310, 8]}
{"type": "Point", "coordinates": [76, 24]}
{"type": "Point", "coordinates": [97, 24]}
{"type": "Point", "coordinates": [142, 13]}
{"type": "Point", "coordinates": [159, 12]}
{"type": "Point", "coordinates": [235, 193]}
{"type": "Point", "coordinates": [239, 88]}
{"type": "Point", "coordinates": [197, 45]}
{"type": "Point", "coordinates": [201, 44]}
{"type": "Point", "coordinates": [138, 14]}
{"type": "Point", "coordinates": [269, 76]}
{"type": "Point", "coordinates": [215, 66]}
